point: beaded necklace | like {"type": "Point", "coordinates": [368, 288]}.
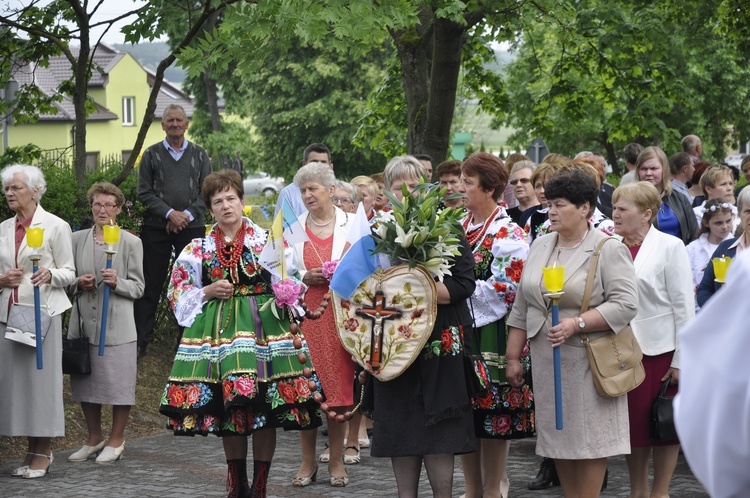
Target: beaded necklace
{"type": "Point", "coordinates": [479, 233]}
{"type": "Point", "coordinates": [228, 258]}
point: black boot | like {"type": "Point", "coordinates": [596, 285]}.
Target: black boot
{"type": "Point", "coordinates": [237, 485]}
{"type": "Point", "coordinates": [546, 477]}
{"type": "Point", "coordinates": [260, 478]}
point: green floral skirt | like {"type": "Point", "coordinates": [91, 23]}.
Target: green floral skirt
{"type": "Point", "coordinates": [236, 371]}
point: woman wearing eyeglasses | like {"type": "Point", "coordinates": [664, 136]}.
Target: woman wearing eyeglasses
{"type": "Point", "coordinates": [346, 196]}
{"type": "Point", "coordinates": [32, 399]}
{"type": "Point", "coordinates": [523, 189]}
{"type": "Point", "coordinates": [113, 376]}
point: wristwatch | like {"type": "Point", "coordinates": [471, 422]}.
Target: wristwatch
{"type": "Point", "coordinates": [581, 323]}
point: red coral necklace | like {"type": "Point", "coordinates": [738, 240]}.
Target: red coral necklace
{"type": "Point", "coordinates": [479, 233]}
{"type": "Point", "coordinates": [229, 256]}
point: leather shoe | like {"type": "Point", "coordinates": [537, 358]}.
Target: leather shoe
{"type": "Point", "coordinates": [110, 454]}
{"type": "Point", "coordinates": [86, 452]}
{"type": "Point", "coordinates": [546, 477]}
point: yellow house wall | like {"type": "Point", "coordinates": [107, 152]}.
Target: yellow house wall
{"type": "Point", "coordinates": [126, 79]}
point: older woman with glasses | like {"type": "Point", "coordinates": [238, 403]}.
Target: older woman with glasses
{"type": "Point", "coordinates": [32, 400]}
{"type": "Point", "coordinates": [113, 376]}
{"type": "Point", "coordinates": [346, 196]}
{"type": "Point", "coordinates": [523, 189]}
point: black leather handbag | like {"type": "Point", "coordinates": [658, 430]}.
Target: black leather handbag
{"type": "Point", "coordinates": [75, 354]}
{"type": "Point", "coordinates": [662, 415]}
{"type": "Point", "coordinates": [75, 357]}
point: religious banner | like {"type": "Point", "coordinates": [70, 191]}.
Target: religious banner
{"type": "Point", "coordinates": [388, 319]}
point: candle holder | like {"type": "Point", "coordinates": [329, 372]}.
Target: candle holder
{"type": "Point", "coordinates": [35, 239]}
{"type": "Point", "coordinates": [554, 279]}
{"type": "Point", "coordinates": [721, 266]}
{"type": "Point", "coordinates": [111, 235]}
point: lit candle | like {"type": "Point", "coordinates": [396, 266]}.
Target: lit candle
{"type": "Point", "coordinates": [34, 237]}
{"type": "Point", "coordinates": [111, 234]}
{"type": "Point", "coordinates": [554, 277]}
{"type": "Point", "coordinates": [721, 265]}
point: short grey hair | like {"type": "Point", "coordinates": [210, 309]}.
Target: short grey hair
{"type": "Point", "coordinates": [743, 198]}
{"type": "Point", "coordinates": [315, 172]}
{"type": "Point", "coordinates": [34, 178]}
{"type": "Point", "coordinates": [173, 107]}
{"type": "Point", "coordinates": [519, 165]}
{"type": "Point", "coordinates": [401, 167]}
{"type": "Point", "coordinates": [353, 191]}
{"type": "Point", "coordinates": [690, 142]}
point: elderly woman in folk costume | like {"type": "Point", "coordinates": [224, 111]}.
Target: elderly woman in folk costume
{"type": "Point", "coordinates": [236, 371]}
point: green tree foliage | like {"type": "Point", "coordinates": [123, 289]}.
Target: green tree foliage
{"type": "Point", "coordinates": [597, 76]}
{"type": "Point", "coordinates": [432, 39]}
{"type": "Point", "coordinates": [304, 94]}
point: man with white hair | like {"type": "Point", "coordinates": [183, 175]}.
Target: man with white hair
{"type": "Point", "coordinates": [693, 146]}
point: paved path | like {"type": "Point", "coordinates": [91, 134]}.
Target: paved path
{"type": "Point", "coordinates": [167, 466]}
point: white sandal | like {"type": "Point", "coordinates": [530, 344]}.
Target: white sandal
{"type": "Point", "coordinates": [325, 457]}
{"type": "Point", "coordinates": [36, 473]}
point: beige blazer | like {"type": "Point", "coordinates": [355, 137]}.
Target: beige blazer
{"type": "Point", "coordinates": [130, 285]}
{"type": "Point", "coordinates": [665, 292]}
{"type": "Point", "coordinates": [614, 292]}
{"type": "Point", "coordinates": [340, 232]}
{"type": "Point", "coordinates": [57, 255]}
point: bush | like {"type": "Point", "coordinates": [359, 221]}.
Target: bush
{"type": "Point", "coordinates": [64, 199]}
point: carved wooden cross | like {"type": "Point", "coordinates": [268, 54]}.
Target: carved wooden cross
{"type": "Point", "coordinates": [378, 313]}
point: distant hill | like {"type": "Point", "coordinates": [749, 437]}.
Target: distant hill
{"type": "Point", "coordinates": [149, 55]}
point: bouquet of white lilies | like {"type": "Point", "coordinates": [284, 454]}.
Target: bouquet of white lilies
{"type": "Point", "coordinates": [416, 232]}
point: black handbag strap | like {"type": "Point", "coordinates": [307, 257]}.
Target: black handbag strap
{"type": "Point", "coordinates": [664, 386]}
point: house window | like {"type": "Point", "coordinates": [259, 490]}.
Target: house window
{"type": "Point", "coordinates": [92, 161]}
{"type": "Point", "coordinates": [128, 111]}
{"type": "Point", "coordinates": [126, 155]}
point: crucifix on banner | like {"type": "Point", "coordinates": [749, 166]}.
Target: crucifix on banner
{"type": "Point", "coordinates": [378, 313]}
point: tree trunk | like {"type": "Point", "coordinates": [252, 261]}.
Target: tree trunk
{"type": "Point", "coordinates": [609, 147]}
{"type": "Point", "coordinates": [430, 55]}
{"type": "Point", "coordinates": [212, 99]}
{"type": "Point", "coordinates": [446, 65]}
{"type": "Point", "coordinates": [413, 49]}
{"type": "Point", "coordinates": [82, 74]}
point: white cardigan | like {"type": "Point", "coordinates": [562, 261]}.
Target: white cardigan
{"type": "Point", "coordinates": [666, 302]}
{"type": "Point", "coordinates": [340, 231]}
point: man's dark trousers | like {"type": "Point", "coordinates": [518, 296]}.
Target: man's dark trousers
{"type": "Point", "coordinates": [157, 252]}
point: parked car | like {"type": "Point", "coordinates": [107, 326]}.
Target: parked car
{"type": "Point", "coordinates": [260, 183]}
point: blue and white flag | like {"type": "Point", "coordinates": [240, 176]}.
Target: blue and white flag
{"type": "Point", "coordinates": [286, 228]}
{"type": "Point", "coordinates": [294, 232]}
{"type": "Point", "coordinates": [359, 262]}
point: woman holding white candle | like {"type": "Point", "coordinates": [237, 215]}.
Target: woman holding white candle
{"type": "Point", "coordinates": [32, 400]}
{"type": "Point", "coordinates": [113, 376]}
{"type": "Point", "coordinates": [594, 427]}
